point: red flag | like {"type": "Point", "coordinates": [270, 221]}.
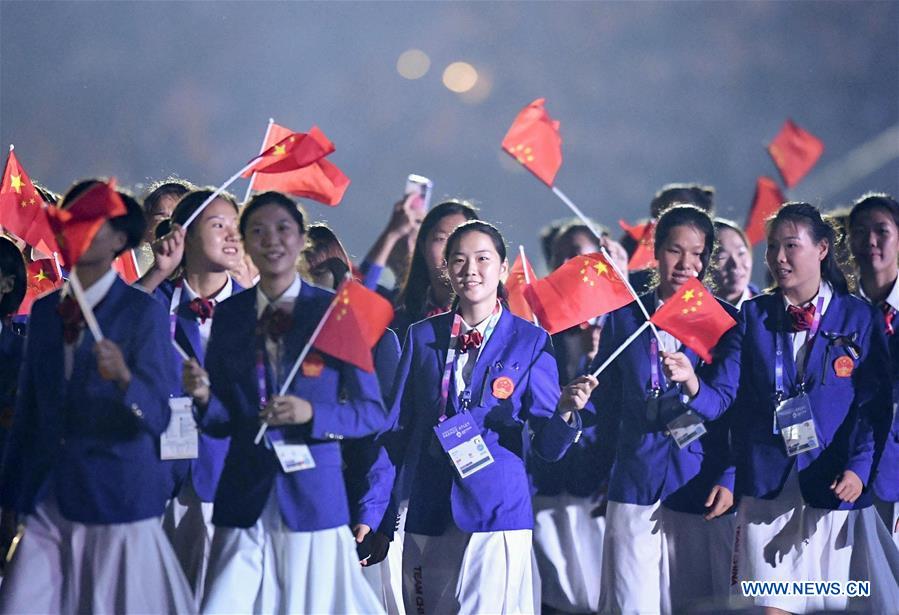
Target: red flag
{"type": "Point", "coordinates": [355, 324]}
{"type": "Point", "coordinates": [765, 203]}
{"type": "Point", "coordinates": [125, 265]}
{"type": "Point", "coordinates": [695, 317]}
{"type": "Point", "coordinates": [644, 255]}
{"type": "Point", "coordinates": [75, 226]}
{"type": "Point", "coordinates": [294, 151]}
{"type": "Point", "coordinates": [40, 234]}
{"type": "Point", "coordinates": [794, 152]}
{"type": "Point", "coordinates": [42, 278]}
{"type": "Point", "coordinates": [320, 181]}
{"type": "Point", "coordinates": [20, 203]}
{"type": "Point", "coordinates": [515, 285]}
{"type": "Point", "coordinates": [534, 141]}
{"type": "Point", "coordinates": [584, 287]}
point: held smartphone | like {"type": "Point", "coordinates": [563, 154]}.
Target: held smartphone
{"type": "Point", "coordinates": [421, 186]}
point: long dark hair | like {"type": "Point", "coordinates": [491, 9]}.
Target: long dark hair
{"type": "Point", "coordinates": [820, 230]}
{"type": "Point", "coordinates": [687, 215]}
{"type": "Point", "coordinates": [499, 244]}
{"type": "Point", "coordinates": [414, 291]}
{"type": "Point", "coordinates": [12, 263]}
{"type": "Point", "coordinates": [132, 223]}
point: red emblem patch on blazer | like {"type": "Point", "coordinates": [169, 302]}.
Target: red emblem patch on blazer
{"type": "Point", "coordinates": [503, 387]}
{"type": "Point", "coordinates": [843, 367]}
{"type": "Point", "coordinates": [313, 365]}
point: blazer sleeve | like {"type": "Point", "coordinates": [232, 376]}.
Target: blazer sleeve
{"type": "Point", "coordinates": [215, 419]}
{"type": "Point", "coordinates": [719, 380]}
{"type": "Point", "coordinates": [23, 436]}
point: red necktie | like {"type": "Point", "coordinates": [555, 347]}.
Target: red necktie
{"type": "Point", "coordinates": [72, 319]}
{"type": "Point", "coordinates": [888, 315]}
{"type": "Point", "coordinates": [275, 323]}
{"type": "Point", "coordinates": [801, 317]}
{"type": "Point", "coordinates": [203, 308]}
{"type": "Point", "coordinates": [472, 339]}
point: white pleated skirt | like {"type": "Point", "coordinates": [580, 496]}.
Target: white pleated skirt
{"type": "Point", "coordinates": [568, 548]}
{"type": "Point", "coordinates": [481, 572]}
{"type": "Point", "coordinates": [187, 523]}
{"type": "Point", "coordinates": [65, 567]}
{"type": "Point", "coordinates": [269, 568]}
{"type": "Point", "coordinates": [386, 578]}
{"type": "Point", "coordinates": [785, 539]}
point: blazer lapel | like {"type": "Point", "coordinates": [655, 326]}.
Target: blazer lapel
{"type": "Point", "coordinates": [815, 357]}
{"type": "Point", "coordinates": [777, 326]}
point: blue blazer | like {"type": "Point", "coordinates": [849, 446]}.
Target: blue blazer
{"type": "Point", "coordinates": [346, 403]}
{"type": "Point", "coordinates": [205, 470]}
{"type": "Point", "coordinates": [12, 343]}
{"type": "Point", "coordinates": [648, 465]}
{"type": "Point", "coordinates": [98, 445]}
{"type": "Point", "coordinates": [886, 472]}
{"type": "Point", "coordinates": [845, 409]}
{"type": "Point", "coordinates": [497, 497]}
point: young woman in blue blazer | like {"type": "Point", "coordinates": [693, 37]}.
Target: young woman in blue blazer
{"type": "Point", "coordinates": [874, 241]}
{"type": "Point", "coordinates": [664, 493]}
{"type": "Point", "coordinates": [282, 542]}
{"type": "Point", "coordinates": [813, 386]}
{"type": "Point", "coordinates": [471, 385]}
{"type": "Point", "coordinates": [190, 278]}
{"type": "Point", "coordinates": [82, 462]}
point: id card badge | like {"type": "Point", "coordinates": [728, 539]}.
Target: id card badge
{"type": "Point", "coordinates": [686, 428]}
{"type": "Point", "coordinates": [461, 439]}
{"type": "Point", "coordinates": [180, 440]}
{"type": "Point", "coordinates": [796, 424]}
{"type": "Point", "coordinates": [292, 455]}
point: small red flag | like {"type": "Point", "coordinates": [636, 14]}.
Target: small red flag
{"type": "Point", "coordinates": [695, 317]}
{"type": "Point", "coordinates": [294, 151]}
{"type": "Point", "coordinates": [515, 285]}
{"type": "Point", "coordinates": [20, 203]}
{"type": "Point", "coordinates": [767, 200]}
{"type": "Point", "coordinates": [320, 181]}
{"type": "Point", "coordinates": [356, 323]}
{"type": "Point", "coordinates": [125, 265]}
{"type": "Point", "coordinates": [534, 141]}
{"type": "Point", "coordinates": [584, 287]}
{"type": "Point", "coordinates": [794, 152]}
{"type": "Point", "coordinates": [644, 255]}
{"type": "Point", "coordinates": [75, 226]}
{"type": "Point", "coordinates": [42, 278]}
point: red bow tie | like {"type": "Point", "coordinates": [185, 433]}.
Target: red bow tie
{"type": "Point", "coordinates": [203, 308]}
{"type": "Point", "coordinates": [275, 323]}
{"type": "Point", "coordinates": [72, 319]}
{"type": "Point", "coordinates": [889, 313]}
{"type": "Point", "coordinates": [801, 317]}
{"type": "Point", "coordinates": [472, 339]}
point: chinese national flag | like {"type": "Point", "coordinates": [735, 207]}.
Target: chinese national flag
{"type": "Point", "coordinates": [695, 317]}
{"type": "Point", "coordinates": [515, 285]}
{"type": "Point", "coordinates": [355, 324]}
{"type": "Point", "coordinates": [644, 256]}
{"type": "Point", "coordinates": [40, 234]}
{"type": "Point", "coordinates": [75, 226]}
{"type": "Point", "coordinates": [42, 278]}
{"type": "Point", "coordinates": [765, 204]}
{"type": "Point", "coordinates": [534, 141]}
{"type": "Point", "coordinates": [20, 203]}
{"type": "Point", "coordinates": [296, 150]}
{"type": "Point", "coordinates": [583, 288]}
{"type": "Point", "coordinates": [125, 265]}
{"type": "Point", "coordinates": [794, 152]}
{"type": "Point", "coordinates": [320, 181]}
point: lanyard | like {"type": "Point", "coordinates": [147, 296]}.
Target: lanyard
{"type": "Point", "coordinates": [449, 364]}
{"type": "Point", "coordinates": [779, 350]}
{"type": "Point", "coordinates": [260, 378]}
{"type": "Point", "coordinates": [173, 309]}
{"type": "Point", "coordinates": [654, 364]}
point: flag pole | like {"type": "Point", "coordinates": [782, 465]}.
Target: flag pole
{"type": "Point", "coordinates": [219, 190]}
{"type": "Point", "coordinates": [527, 276]}
{"type": "Point", "coordinates": [56, 261]}
{"type": "Point", "coordinates": [620, 349]}
{"type": "Point", "coordinates": [296, 365]}
{"type": "Point", "coordinates": [577, 212]}
{"type": "Point", "coordinates": [268, 130]}
{"type": "Point", "coordinates": [86, 309]}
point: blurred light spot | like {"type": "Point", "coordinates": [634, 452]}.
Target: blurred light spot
{"type": "Point", "coordinates": [481, 90]}
{"type": "Point", "coordinates": [460, 77]}
{"type": "Point", "coordinates": [413, 64]}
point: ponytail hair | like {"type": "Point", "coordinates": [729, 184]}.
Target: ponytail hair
{"type": "Point", "coordinates": [820, 230]}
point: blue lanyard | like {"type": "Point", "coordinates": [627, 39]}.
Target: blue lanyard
{"type": "Point", "coordinates": [779, 351]}
{"type": "Point", "coordinates": [654, 364]}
